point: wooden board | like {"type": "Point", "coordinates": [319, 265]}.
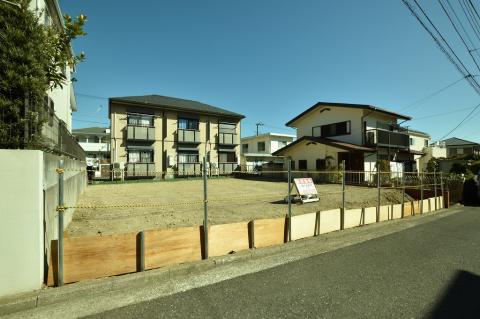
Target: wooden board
{"type": "Point", "coordinates": [227, 238]}
{"type": "Point", "coordinates": [385, 212]}
{"type": "Point", "coordinates": [426, 206]}
{"type": "Point", "coordinates": [165, 247]}
{"type": "Point", "coordinates": [303, 226]}
{"type": "Point", "coordinates": [353, 218]}
{"type": "Point", "coordinates": [370, 215]}
{"type": "Point", "coordinates": [269, 232]}
{"type": "Point", "coordinates": [95, 257]}
{"type": "Point", "coordinates": [397, 211]}
{"type": "Point", "coordinates": [408, 209]}
{"type": "Point", "coordinates": [329, 221]}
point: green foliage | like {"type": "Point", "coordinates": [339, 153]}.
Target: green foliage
{"type": "Point", "coordinates": [32, 60]}
{"type": "Point", "coordinates": [458, 168]}
{"type": "Point", "coordinates": [433, 165]}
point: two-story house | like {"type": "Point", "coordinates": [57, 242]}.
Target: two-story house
{"type": "Point", "coordinates": [257, 149]}
{"type": "Point", "coordinates": [360, 135]}
{"type": "Point", "coordinates": [160, 136]}
{"type": "Point", "coordinates": [419, 142]}
{"type": "Point", "coordinates": [457, 147]}
{"type": "Point", "coordinates": [95, 141]}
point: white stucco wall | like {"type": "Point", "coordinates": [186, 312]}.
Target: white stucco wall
{"type": "Point", "coordinates": [21, 227]}
{"type": "Point", "coordinates": [29, 220]}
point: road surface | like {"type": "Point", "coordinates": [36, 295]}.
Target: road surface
{"type": "Point", "coordinates": [428, 271]}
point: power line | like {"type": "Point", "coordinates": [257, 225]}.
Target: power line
{"type": "Point", "coordinates": [91, 96]}
{"type": "Point", "coordinates": [432, 94]}
{"type": "Point", "coordinates": [443, 113]}
{"type": "Point", "coordinates": [457, 31]}
{"type": "Point", "coordinates": [90, 122]}
{"type": "Point", "coordinates": [461, 122]}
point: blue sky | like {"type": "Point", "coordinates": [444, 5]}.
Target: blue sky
{"type": "Point", "coordinates": [269, 60]}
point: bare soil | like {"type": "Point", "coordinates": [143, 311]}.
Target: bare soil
{"type": "Point", "coordinates": [230, 200]}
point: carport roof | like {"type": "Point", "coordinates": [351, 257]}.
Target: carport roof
{"type": "Point", "coordinates": [322, 140]}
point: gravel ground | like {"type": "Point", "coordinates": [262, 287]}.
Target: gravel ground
{"type": "Point", "coordinates": [230, 200]}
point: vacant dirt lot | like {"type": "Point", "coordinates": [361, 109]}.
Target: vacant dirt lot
{"type": "Point", "coordinates": [230, 200]}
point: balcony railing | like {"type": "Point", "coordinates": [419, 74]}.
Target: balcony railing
{"type": "Point", "coordinates": [227, 138]}
{"type": "Point", "coordinates": [57, 138]}
{"type": "Point", "coordinates": [140, 169]}
{"type": "Point", "coordinates": [385, 138]}
{"type": "Point", "coordinates": [227, 168]}
{"type": "Point", "coordinates": [189, 169]}
{"type": "Point", "coordinates": [188, 136]}
{"type": "Point", "coordinates": [140, 133]}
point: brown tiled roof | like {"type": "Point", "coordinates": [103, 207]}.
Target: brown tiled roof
{"type": "Point", "coordinates": [322, 140]}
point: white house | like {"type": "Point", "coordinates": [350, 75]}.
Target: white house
{"type": "Point", "coordinates": [329, 133]}
{"type": "Point", "coordinates": [95, 141]}
{"type": "Point", "coordinates": [419, 142]}
{"type": "Point", "coordinates": [257, 149]}
{"type": "Point", "coordinates": [60, 100]}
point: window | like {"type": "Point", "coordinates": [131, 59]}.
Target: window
{"type": "Point", "coordinates": [187, 124]}
{"type": "Point", "coordinates": [459, 151]}
{"type": "Point", "coordinates": [292, 165]}
{"type": "Point", "coordinates": [302, 164]}
{"type": "Point", "coordinates": [49, 109]}
{"type": "Point", "coordinates": [261, 146]}
{"type": "Point", "coordinates": [137, 156]}
{"type": "Point", "coordinates": [320, 164]}
{"type": "Point", "coordinates": [245, 148]}
{"type": "Point", "coordinates": [140, 119]}
{"type": "Point", "coordinates": [412, 141]}
{"type": "Point", "coordinates": [425, 143]}
{"type": "Point", "coordinates": [188, 157]}
{"type": "Point", "coordinates": [227, 128]}
{"type": "Point", "coordinates": [335, 129]}
{"type": "Point", "coordinates": [227, 157]}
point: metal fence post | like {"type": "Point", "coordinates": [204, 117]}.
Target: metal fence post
{"type": "Point", "coordinates": [60, 210]}
{"type": "Point", "coordinates": [441, 189]}
{"type": "Point", "coordinates": [421, 193]}
{"type": "Point", "coordinates": [403, 194]}
{"type": "Point", "coordinates": [142, 251]}
{"type": "Point", "coordinates": [205, 209]}
{"type": "Point", "coordinates": [342, 216]}
{"type": "Point", "coordinates": [289, 199]}
{"type": "Point", "coordinates": [378, 192]}
{"type": "Point", "coordinates": [435, 186]}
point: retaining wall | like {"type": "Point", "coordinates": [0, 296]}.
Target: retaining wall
{"type": "Point", "coordinates": [100, 256]}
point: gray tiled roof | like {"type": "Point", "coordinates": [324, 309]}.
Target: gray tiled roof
{"type": "Point", "coordinates": [458, 141]}
{"type": "Point", "coordinates": [175, 103]}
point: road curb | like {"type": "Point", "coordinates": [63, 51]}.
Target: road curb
{"type": "Point", "coordinates": [288, 252]}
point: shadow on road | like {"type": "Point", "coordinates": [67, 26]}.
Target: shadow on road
{"type": "Point", "coordinates": [461, 298]}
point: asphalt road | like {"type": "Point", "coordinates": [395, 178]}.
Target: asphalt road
{"type": "Point", "coordinates": [428, 271]}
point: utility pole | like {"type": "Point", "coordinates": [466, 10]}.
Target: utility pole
{"type": "Point", "coordinates": [259, 124]}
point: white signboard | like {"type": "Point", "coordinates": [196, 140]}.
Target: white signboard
{"type": "Point", "coordinates": [305, 186]}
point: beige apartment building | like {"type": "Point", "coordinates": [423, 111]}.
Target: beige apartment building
{"type": "Point", "coordinates": [160, 136]}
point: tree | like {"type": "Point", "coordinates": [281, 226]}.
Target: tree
{"type": "Point", "coordinates": [32, 59]}
{"type": "Point", "coordinates": [433, 165]}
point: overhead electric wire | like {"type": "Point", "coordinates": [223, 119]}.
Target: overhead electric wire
{"type": "Point", "coordinates": [461, 122]}
{"type": "Point", "coordinates": [90, 122]}
{"type": "Point", "coordinates": [443, 113]}
{"type": "Point", "coordinates": [458, 31]}
{"type": "Point", "coordinates": [471, 20]}
{"type": "Point", "coordinates": [432, 94]}
{"type": "Point", "coordinates": [449, 52]}
{"type": "Point", "coordinates": [91, 96]}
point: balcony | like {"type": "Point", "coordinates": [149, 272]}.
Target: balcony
{"type": "Point", "coordinates": [189, 169]}
{"type": "Point", "coordinates": [227, 168]}
{"type": "Point", "coordinates": [141, 170]}
{"type": "Point", "coordinates": [385, 138]}
{"type": "Point", "coordinates": [188, 136]}
{"type": "Point", "coordinates": [227, 139]}
{"type": "Point", "coordinates": [140, 133]}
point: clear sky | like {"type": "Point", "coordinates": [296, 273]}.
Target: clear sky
{"type": "Point", "coordinates": [268, 60]}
